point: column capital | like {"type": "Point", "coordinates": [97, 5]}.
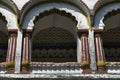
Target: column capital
{"type": "Point", "coordinates": [98, 32]}
{"type": "Point", "coordinates": [83, 32]}
{"type": "Point", "coordinates": [12, 32]}
{"type": "Point", "coordinates": [27, 32]}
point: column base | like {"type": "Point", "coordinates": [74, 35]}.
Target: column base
{"type": "Point", "coordinates": [24, 71]}
{"type": "Point", "coordinates": [10, 71]}
{"type": "Point", "coordinates": [87, 71]}
{"type": "Point", "coordinates": [101, 70]}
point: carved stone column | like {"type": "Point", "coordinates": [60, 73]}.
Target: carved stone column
{"type": "Point", "coordinates": [100, 56]}
{"type": "Point", "coordinates": [85, 62]}
{"type": "Point", "coordinates": [26, 51]}
{"type": "Point", "coordinates": [10, 60]}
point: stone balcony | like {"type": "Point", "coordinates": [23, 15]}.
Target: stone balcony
{"type": "Point", "coordinates": [54, 68]}
{"type": "Point", "coordinates": [63, 68]}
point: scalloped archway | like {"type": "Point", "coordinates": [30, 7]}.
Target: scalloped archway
{"type": "Point", "coordinates": [111, 36]}
{"type": "Point", "coordinates": [100, 15]}
{"type": "Point", "coordinates": [54, 38]}
{"type": "Point", "coordinates": [27, 18]}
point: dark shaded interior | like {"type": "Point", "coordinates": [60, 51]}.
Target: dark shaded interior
{"type": "Point", "coordinates": [111, 36]}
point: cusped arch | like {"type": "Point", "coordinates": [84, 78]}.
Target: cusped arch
{"type": "Point", "coordinates": [31, 11]}
{"type": "Point", "coordinates": [55, 11]}
{"type": "Point", "coordinates": [9, 10]}
{"type": "Point", "coordinates": [100, 14]}
{"type": "Point", "coordinates": [3, 27]}
{"type": "Point", "coordinates": [3, 18]}
{"type": "Point", "coordinates": [78, 3]}
{"type": "Point", "coordinates": [111, 13]}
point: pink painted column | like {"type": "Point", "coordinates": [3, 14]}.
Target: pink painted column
{"type": "Point", "coordinates": [10, 59]}
{"type": "Point", "coordinates": [26, 51]}
{"type": "Point", "coordinates": [85, 62]}
{"type": "Point", "coordinates": [100, 56]}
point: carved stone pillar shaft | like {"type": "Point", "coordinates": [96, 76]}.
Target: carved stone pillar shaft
{"type": "Point", "coordinates": [26, 51]}
{"type": "Point", "coordinates": [100, 56]}
{"type": "Point", "coordinates": [85, 62]}
{"type": "Point", "coordinates": [26, 48]}
{"type": "Point", "coordinates": [10, 60]}
{"type": "Point", "coordinates": [85, 50]}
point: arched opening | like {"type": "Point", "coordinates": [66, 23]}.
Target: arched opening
{"type": "Point", "coordinates": [3, 39]}
{"type": "Point", "coordinates": [54, 38]}
{"type": "Point", "coordinates": [111, 36]}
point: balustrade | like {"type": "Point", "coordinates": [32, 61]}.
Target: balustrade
{"type": "Point", "coordinates": [53, 68]}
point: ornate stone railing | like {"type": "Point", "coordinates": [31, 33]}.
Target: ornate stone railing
{"type": "Point", "coordinates": [53, 68]}
{"type": "Point", "coordinates": [67, 68]}
{"type": "Point", "coordinates": [113, 63]}
{"type": "Point", "coordinates": [113, 67]}
{"type": "Point", "coordinates": [2, 67]}
{"type": "Point", "coordinates": [70, 67]}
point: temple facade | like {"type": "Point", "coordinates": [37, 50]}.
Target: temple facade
{"type": "Point", "coordinates": [59, 39]}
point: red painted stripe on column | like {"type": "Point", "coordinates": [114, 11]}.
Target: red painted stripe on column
{"type": "Point", "coordinates": [11, 49]}
{"type": "Point", "coordinates": [27, 48]}
{"type": "Point", "coordinates": [87, 49]}
{"type": "Point", "coordinates": [82, 47]}
{"type": "Point", "coordinates": [101, 50]}
{"type": "Point", "coordinates": [29, 44]}
{"type": "Point", "coordinates": [97, 48]}
{"type": "Point", "coordinates": [8, 51]}
{"type": "Point", "coordinates": [84, 59]}
{"type": "Point", "coordinates": [23, 57]}
{"type": "Point", "coordinates": [15, 48]}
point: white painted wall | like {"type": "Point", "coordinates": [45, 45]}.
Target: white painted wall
{"type": "Point", "coordinates": [90, 3]}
